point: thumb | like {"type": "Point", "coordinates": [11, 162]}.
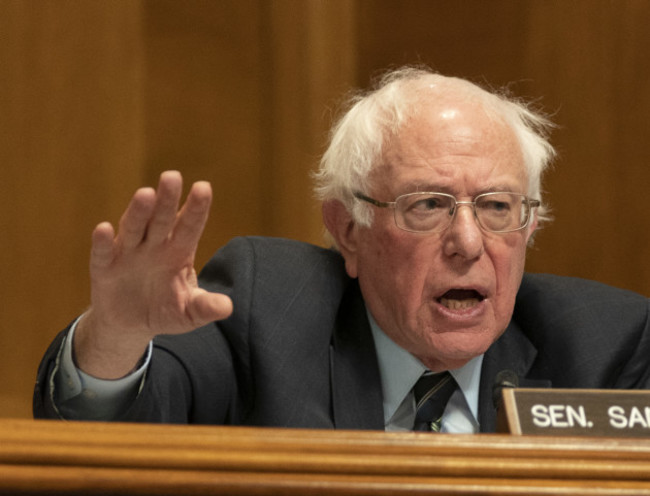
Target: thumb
{"type": "Point", "coordinates": [205, 307]}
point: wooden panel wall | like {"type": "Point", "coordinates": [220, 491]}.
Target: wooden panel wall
{"type": "Point", "coordinates": [71, 148]}
{"type": "Point", "coordinates": [97, 98]}
{"type": "Point", "coordinates": [237, 94]}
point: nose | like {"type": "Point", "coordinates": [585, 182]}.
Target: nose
{"type": "Point", "coordinates": [464, 237]}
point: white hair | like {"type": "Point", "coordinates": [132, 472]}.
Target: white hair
{"type": "Point", "coordinates": [357, 140]}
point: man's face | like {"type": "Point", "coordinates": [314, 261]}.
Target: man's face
{"type": "Point", "coordinates": [445, 297]}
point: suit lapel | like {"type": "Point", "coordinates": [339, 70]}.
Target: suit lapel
{"type": "Point", "coordinates": [512, 351]}
{"type": "Point", "coordinates": [356, 385]}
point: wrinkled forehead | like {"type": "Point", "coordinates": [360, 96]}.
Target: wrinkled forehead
{"type": "Point", "coordinates": [448, 129]}
{"type": "Point", "coordinates": [433, 104]}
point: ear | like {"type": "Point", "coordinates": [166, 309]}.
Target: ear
{"type": "Point", "coordinates": [341, 226]}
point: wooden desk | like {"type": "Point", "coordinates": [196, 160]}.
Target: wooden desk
{"type": "Point", "coordinates": [52, 457]}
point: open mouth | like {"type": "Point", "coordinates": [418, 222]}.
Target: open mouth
{"type": "Point", "coordinates": [460, 299]}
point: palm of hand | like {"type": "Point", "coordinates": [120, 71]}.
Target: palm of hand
{"type": "Point", "coordinates": [143, 279]}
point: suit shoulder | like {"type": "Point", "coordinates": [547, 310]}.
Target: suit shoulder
{"type": "Point", "coordinates": [569, 303]}
{"type": "Point", "coordinates": [561, 290]}
{"type": "Point", "coordinates": [283, 248]}
{"type": "Point", "coordinates": [587, 334]}
{"type": "Point", "coordinates": [268, 272]}
{"type": "Point", "coordinates": [281, 251]}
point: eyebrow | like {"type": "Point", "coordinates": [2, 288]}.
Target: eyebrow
{"type": "Point", "coordinates": [438, 188]}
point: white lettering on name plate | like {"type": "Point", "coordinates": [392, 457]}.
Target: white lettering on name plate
{"type": "Point", "coordinates": [636, 417]}
{"type": "Point", "coordinates": [560, 416]}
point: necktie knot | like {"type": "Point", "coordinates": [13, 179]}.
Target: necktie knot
{"type": "Point", "coordinates": [432, 392]}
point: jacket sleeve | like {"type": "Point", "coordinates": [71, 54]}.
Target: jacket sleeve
{"type": "Point", "coordinates": [191, 377]}
{"type": "Point", "coordinates": [44, 401]}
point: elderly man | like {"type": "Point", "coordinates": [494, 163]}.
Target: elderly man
{"type": "Point", "coordinates": [431, 193]}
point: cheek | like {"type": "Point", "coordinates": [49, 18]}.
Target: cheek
{"type": "Point", "coordinates": [509, 260]}
{"type": "Point", "coordinates": [376, 264]}
{"type": "Point", "coordinates": [393, 257]}
{"type": "Point", "coordinates": [391, 272]}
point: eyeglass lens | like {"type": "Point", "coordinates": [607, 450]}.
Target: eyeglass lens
{"type": "Point", "coordinates": [431, 212]}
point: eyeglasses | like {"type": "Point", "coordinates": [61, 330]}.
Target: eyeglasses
{"type": "Point", "coordinates": [434, 212]}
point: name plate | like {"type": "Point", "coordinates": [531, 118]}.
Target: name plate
{"type": "Point", "coordinates": [575, 412]}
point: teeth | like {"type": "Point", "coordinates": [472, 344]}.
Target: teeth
{"type": "Point", "coordinates": [459, 304]}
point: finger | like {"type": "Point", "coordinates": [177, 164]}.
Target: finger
{"type": "Point", "coordinates": [192, 218]}
{"type": "Point", "coordinates": [101, 251]}
{"type": "Point", "coordinates": [168, 196]}
{"type": "Point", "coordinates": [133, 224]}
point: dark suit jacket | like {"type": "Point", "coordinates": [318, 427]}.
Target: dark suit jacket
{"type": "Point", "coordinates": [298, 350]}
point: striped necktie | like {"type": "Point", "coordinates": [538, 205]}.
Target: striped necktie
{"type": "Point", "coordinates": [432, 392]}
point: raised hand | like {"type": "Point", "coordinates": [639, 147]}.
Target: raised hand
{"type": "Point", "coordinates": [143, 280]}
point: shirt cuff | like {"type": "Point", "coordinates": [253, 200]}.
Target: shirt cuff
{"type": "Point", "coordinates": [94, 398]}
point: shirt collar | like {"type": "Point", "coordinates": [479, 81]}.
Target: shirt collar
{"type": "Point", "coordinates": [400, 371]}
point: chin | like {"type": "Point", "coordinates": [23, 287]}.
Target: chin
{"type": "Point", "coordinates": [453, 354]}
